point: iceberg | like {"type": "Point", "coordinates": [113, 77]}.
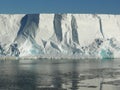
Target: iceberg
{"type": "Point", "coordinates": [60, 35]}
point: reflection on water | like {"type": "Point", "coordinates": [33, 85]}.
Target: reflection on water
{"type": "Point", "coordinates": [60, 75]}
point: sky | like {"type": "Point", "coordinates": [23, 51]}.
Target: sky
{"type": "Point", "coordinates": [60, 6]}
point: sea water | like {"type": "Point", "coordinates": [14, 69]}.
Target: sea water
{"type": "Point", "coordinates": [60, 74]}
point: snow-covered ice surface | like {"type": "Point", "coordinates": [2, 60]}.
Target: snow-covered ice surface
{"type": "Point", "coordinates": [60, 35]}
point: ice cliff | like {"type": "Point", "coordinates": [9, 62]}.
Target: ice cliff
{"type": "Point", "coordinates": [60, 35]}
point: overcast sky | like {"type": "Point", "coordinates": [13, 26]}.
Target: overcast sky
{"type": "Point", "coordinates": [60, 6]}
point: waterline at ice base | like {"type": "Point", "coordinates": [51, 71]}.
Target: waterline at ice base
{"type": "Point", "coordinates": [60, 35]}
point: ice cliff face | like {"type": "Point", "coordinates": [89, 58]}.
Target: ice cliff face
{"type": "Point", "coordinates": [77, 35]}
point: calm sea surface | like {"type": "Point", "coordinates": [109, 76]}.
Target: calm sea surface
{"type": "Point", "coordinates": [60, 75]}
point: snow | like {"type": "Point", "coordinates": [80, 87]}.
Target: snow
{"type": "Point", "coordinates": [75, 35]}
{"type": "Point", "coordinates": [9, 25]}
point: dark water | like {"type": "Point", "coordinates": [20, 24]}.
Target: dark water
{"type": "Point", "coordinates": [60, 75]}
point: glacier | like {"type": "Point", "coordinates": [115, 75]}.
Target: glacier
{"type": "Point", "coordinates": [60, 35]}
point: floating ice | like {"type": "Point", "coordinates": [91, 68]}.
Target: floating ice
{"type": "Point", "coordinates": [75, 35]}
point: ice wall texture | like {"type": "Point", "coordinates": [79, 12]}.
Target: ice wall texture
{"type": "Point", "coordinates": [77, 35]}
